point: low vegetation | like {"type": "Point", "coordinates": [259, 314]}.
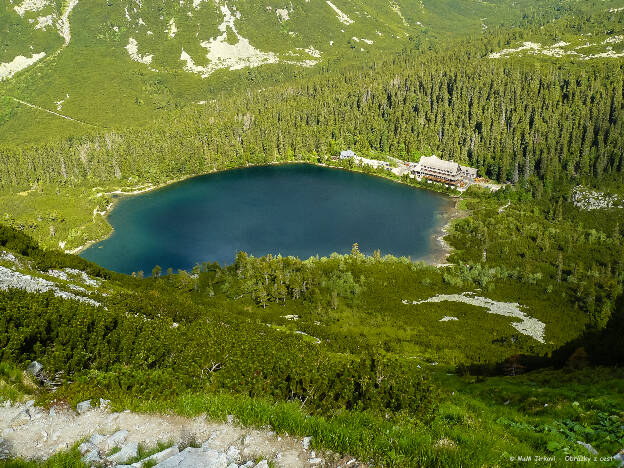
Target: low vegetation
{"type": "Point", "coordinates": [327, 347]}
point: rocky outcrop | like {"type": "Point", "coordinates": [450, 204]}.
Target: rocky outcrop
{"type": "Point", "coordinates": [592, 200]}
{"type": "Point", "coordinates": [114, 439]}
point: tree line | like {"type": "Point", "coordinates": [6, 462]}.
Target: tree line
{"type": "Point", "coordinates": [516, 120]}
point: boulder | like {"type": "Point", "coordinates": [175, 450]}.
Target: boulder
{"type": "Point", "coordinates": [195, 458]}
{"type": "Point", "coordinates": [97, 439]}
{"type": "Point", "coordinates": [306, 443]}
{"type": "Point", "coordinates": [83, 406]}
{"type": "Point", "coordinates": [619, 458]}
{"type": "Point", "coordinates": [115, 440]}
{"type": "Point", "coordinates": [232, 454]}
{"type": "Point", "coordinates": [92, 458]}
{"type": "Point", "coordinates": [34, 368]}
{"type": "Point", "coordinates": [128, 451]}
{"type": "Point", "coordinates": [86, 447]}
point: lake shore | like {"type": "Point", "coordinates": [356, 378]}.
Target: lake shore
{"type": "Point", "coordinates": [440, 249]}
{"type": "Point", "coordinates": [437, 257]}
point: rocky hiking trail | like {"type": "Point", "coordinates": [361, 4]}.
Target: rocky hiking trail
{"type": "Point", "coordinates": [114, 439]}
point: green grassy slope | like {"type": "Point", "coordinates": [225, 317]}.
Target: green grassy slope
{"type": "Point", "coordinates": [371, 376]}
{"type": "Point", "coordinates": [99, 83]}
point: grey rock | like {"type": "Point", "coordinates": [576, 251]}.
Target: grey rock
{"type": "Point", "coordinates": [35, 413]}
{"type": "Point", "coordinates": [306, 443]}
{"type": "Point", "coordinates": [104, 404]}
{"type": "Point", "coordinates": [232, 454]}
{"type": "Point", "coordinates": [589, 448]}
{"type": "Point", "coordinates": [34, 368]}
{"type": "Point", "coordinates": [263, 464]}
{"type": "Point", "coordinates": [249, 464]}
{"type": "Point", "coordinates": [83, 406]}
{"type": "Point", "coordinates": [232, 465]}
{"type": "Point", "coordinates": [115, 440]}
{"type": "Point", "coordinates": [29, 404]}
{"type": "Point", "coordinates": [21, 418]}
{"type": "Point", "coordinates": [619, 458]}
{"type": "Point", "coordinates": [86, 447]}
{"type": "Point", "coordinates": [128, 451]}
{"type": "Point", "coordinates": [230, 418]}
{"type": "Point", "coordinates": [315, 461]}
{"type": "Point", "coordinates": [92, 457]}
{"type": "Point", "coordinates": [97, 439]}
{"type": "Point", "coordinates": [195, 458]}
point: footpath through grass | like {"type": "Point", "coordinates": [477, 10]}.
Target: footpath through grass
{"type": "Point", "coordinates": [479, 422]}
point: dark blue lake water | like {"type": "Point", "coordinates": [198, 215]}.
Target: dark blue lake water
{"type": "Point", "coordinates": [300, 210]}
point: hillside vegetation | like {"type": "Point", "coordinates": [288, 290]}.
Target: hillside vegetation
{"type": "Point", "coordinates": [125, 63]}
{"type": "Point", "coordinates": [364, 370]}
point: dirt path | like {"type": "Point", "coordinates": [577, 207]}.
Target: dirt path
{"type": "Point", "coordinates": [52, 112]}
{"type": "Point", "coordinates": [35, 433]}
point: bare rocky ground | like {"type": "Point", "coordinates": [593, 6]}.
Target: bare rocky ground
{"type": "Point", "coordinates": [112, 439]}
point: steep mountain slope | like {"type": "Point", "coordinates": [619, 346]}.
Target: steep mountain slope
{"type": "Point", "coordinates": [123, 62]}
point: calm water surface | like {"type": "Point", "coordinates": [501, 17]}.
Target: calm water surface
{"type": "Point", "coordinates": [298, 209]}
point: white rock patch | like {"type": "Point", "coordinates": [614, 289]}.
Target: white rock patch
{"type": "Point", "coordinates": [313, 52]}
{"type": "Point", "coordinates": [9, 257]}
{"type": "Point", "coordinates": [588, 200]}
{"type": "Point", "coordinates": [171, 32]}
{"type": "Point", "coordinates": [344, 19]}
{"type": "Point", "coordinates": [133, 51]}
{"type": "Point", "coordinates": [528, 326]}
{"type": "Point", "coordinates": [63, 25]}
{"type": "Point", "coordinates": [282, 14]}
{"type": "Point", "coordinates": [225, 55]}
{"type": "Point", "coordinates": [525, 46]}
{"type": "Point", "coordinates": [19, 63]}
{"type": "Point", "coordinates": [71, 272]}
{"type": "Point", "coordinates": [557, 50]}
{"type": "Point", "coordinates": [44, 21]}
{"type": "Point", "coordinates": [30, 5]}
{"type": "Point", "coordinates": [10, 279]}
{"type": "Point", "coordinates": [448, 319]}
